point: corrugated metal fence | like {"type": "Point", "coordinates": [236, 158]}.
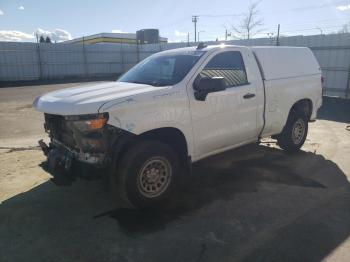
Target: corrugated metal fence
{"type": "Point", "coordinates": [31, 61]}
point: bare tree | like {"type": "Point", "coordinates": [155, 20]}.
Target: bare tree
{"type": "Point", "coordinates": [48, 40]}
{"type": "Point", "coordinates": [250, 23]}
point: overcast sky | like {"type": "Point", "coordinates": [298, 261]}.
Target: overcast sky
{"type": "Point", "coordinates": [63, 19]}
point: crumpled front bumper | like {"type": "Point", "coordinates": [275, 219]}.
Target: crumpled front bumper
{"type": "Point", "coordinates": [60, 155]}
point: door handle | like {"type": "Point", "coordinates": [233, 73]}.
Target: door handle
{"type": "Point", "coordinates": [248, 95]}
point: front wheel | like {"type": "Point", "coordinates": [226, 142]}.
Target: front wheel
{"type": "Point", "coordinates": [146, 174]}
{"type": "Point", "coordinates": [294, 133]}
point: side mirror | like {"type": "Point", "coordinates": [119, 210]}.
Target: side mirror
{"type": "Point", "coordinates": [208, 85]}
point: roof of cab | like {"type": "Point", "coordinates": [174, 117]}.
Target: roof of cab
{"type": "Point", "coordinates": [195, 48]}
{"type": "Point", "coordinates": [211, 47]}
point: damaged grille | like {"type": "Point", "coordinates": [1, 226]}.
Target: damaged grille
{"type": "Point", "coordinates": [58, 129]}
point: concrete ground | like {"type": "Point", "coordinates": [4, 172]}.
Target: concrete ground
{"type": "Point", "coordinates": [252, 204]}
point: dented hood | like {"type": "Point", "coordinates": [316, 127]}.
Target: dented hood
{"type": "Point", "coordinates": [87, 99]}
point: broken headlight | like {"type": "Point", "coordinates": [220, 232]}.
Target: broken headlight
{"type": "Point", "coordinates": [87, 123]}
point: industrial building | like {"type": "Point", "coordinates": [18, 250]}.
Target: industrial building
{"type": "Point", "coordinates": [144, 36]}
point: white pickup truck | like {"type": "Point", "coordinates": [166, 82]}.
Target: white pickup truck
{"type": "Point", "coordinates": [179, 106]}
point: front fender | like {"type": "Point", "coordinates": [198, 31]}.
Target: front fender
{"type": "Point", "coordinates": [140, 114]}
{"type": "Point", "coordinates": [139, 126]}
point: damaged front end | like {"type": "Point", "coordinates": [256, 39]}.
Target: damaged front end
{"type": "Point", "coordinates": [83, 138]}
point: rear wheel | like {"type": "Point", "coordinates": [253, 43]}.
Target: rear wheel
{"type": "Point", "coordinates": [146, 174]}
{"type": "Point", "coordinates": [294, 133]}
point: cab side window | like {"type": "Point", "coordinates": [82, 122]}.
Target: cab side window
{"type": "Point", "coordinates": [229, 65]}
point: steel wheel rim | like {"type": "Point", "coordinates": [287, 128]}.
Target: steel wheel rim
{"type": "Point", "coordinates": [154, 177]}
{"type": "Point", "coordinates": [298, 131]}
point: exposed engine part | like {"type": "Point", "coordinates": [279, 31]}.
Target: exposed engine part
{"type": "Point", "coordinates": [68, 143]}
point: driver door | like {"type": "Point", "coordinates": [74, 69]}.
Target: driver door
{"type": "Point", "coordinates": [225, 118]}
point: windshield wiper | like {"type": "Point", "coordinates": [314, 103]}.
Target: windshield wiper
{"type": "Point", "coordinates": [138, 82]}
{"type": "Point", "coordinates": [158, 84]}
{"type": "Point", "coordinates": [154, 83]}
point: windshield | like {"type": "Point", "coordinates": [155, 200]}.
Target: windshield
{"type": "Point", "coordinates": [162, 69]}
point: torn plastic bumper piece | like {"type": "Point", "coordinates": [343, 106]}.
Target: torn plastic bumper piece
{"type": "Point", "coordinates": [44, 147]}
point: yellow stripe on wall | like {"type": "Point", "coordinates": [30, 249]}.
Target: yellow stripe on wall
{"type": "Point", "coordinates": [108, 40]}
{"type": "Point", "coordinates": [111, 40]}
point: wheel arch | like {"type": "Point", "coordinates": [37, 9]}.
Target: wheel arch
{"type": "Point", "coordinates": [171, 136]}
{"type": "Point", "coordinates": [304, 105]}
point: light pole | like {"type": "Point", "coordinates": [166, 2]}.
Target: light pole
{"type": "Point", "coordinates": [194, 20]}
{"type": "Point", "coordinates": [198, 34]}
{"type": "Point", "coordinates": [278, 35]}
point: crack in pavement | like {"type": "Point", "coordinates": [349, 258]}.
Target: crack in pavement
{"type": "Point", "coordinates": [17, 149]}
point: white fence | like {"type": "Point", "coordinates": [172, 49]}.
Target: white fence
{"type": "Point", "coordinates": [31, 61]}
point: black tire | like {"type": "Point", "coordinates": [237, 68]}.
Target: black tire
{"type": "Point", "coordinates": [133, 167]}
{"type": "Point", "coordinates": [295, 131]}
